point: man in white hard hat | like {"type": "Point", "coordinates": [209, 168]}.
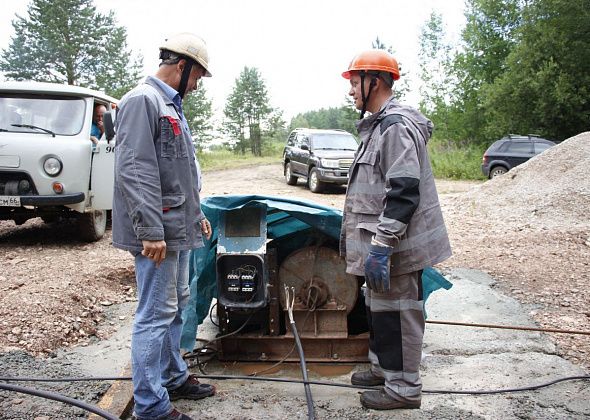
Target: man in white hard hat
{"type": "Point", "coordinates": [157, 217]}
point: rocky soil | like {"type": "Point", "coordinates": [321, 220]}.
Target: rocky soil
{"type": "Point", "coordinates": [529, 229]}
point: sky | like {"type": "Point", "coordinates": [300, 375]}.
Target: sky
{"type": "Point", "coordinates": [300, 47]}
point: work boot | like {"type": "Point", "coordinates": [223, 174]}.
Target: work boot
{"type": "Point", "coordinates": [191, 389]}
{"type": "Point", "coordinates": [366, 378]}
{"type": "Point", "coordinates": [381, 400]}
{"type": "Point", "coordinates": [177, 415]}
{"type": "Point", "coordinates": [174, 415]}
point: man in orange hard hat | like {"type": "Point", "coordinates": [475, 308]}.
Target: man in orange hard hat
{"type": "Point", "coordinates": [392, 228]}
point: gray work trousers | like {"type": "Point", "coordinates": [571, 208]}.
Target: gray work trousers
{"type": "Point", "coordinates": [396, 331]}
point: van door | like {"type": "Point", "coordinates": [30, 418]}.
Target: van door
{"type": "Point", "coordinates": [102, 176]}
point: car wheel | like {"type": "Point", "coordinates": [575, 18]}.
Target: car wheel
{"type": "Point", "coordinates": [289, 177]}
{"type": "Point", "coordinates": [92, 225]}
{"type": "Point", "coordinates": [497, 171]}
{"type": "Point", "coordinates": [315, 185]}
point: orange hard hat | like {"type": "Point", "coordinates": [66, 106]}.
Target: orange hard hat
{"type": "Point", "coordinates": [373, 60]}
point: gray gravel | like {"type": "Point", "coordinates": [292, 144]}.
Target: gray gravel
{"type": "Point", "coordinates": [24, 407]}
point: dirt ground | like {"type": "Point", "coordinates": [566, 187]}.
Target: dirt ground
{"type": "Point", "coordinates": [529, 232]}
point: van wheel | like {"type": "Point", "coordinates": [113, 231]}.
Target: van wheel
{"type": "Point", "coordinates": [289, 177]}
{"type": "Point", "coordinates": [497, 171]}
{"type": "Point", "coordinates": [92, 225]}
{"type": "Point", "coordinates": [315, 185]}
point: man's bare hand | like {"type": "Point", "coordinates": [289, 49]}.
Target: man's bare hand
{"type": "Point", "coordinates": [206, 228]}
{"type": "Point", "coordinates": [154, 250]}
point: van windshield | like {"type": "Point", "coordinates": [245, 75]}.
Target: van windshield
{"type": "Point", "coordinates": [334, 142]}
{"type": "Point", "coordinates": [62, 115]}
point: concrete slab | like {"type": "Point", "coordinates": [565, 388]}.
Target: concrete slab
{"type": "Point", "coordinates": [455, 358]}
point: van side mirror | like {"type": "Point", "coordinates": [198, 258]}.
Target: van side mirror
{"type": "Point", "coordinates": [304, 147]}
{"type": "Point", "coordinates": [108, 119]}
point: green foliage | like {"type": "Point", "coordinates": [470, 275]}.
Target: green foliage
{"type": "Point", "coordinates": [454, 160]}
{"type": "Point", "coordinates": [329, 119]}
{"type": "Point", "coordinates": [402, 86]}
{"type": "Point", "coordinates": [546, 84]}
{"type": "Point", "coordinates": [68, 41]}
{"type": "Point", "coordinates": [247, 112]}
{"type": "Point", "coordinates": [436, 72]}
{"type": "Point", "coordinates": [523, 67]}
{"type": "Point", "coordinates": [198, 112]}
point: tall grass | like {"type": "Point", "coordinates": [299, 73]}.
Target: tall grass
{"type": "Point", "coordinates": [455, 161]}
{"type": "Point", "coordinates": [449, 159]}
{"type": "Point", "coordinates": [226, 159]}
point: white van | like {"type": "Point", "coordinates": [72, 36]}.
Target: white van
{"type": "Point", "coordinates": [49, 167]}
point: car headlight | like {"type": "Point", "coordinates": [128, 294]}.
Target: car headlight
{"type": "Point", "coordinates": [330, 163]}
{"type": "Point", "coordinates": [52, 166]}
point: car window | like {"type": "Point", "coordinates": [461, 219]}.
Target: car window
{"type": "Point", "coordinates": [539, 147]}
{"type": "Point", "coordinates": [334, 141]}
{"type": "Point", "coordinates": [519, 147]}
{"type": "Point", "coordinates": [291, 139]}
{"type": "Point", "coordinates": [502, 147]}
{"type": "Point", "coordinates": [302, 139]}
{"type": "Point", "coordinates": [59, 114]}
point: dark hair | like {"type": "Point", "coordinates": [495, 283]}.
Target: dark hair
{"type": "Point", "coordinates": [169, 57]}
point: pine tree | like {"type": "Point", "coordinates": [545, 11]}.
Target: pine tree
{"type": "Point", "coordinates": [68, 41]}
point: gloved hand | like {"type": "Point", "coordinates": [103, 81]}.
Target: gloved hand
{"type": "Point", "coordinates": [377, 268]}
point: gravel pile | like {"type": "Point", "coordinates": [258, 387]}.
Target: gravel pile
{"type": "Point", "coordinates": [550, 191]}
{"type": "Point", "coordinates": [530, 229]}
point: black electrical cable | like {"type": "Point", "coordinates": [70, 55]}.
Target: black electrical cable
{"type": "Point", "coordinates": [297, 381]}
{"type": "Point", "coordinates": [211, 314]}
{"type": "Point", "coordinates": [308, 397]}
{"type": "Point", "coordinates": [61, 398]}
{"type": "Point", "coordinates": [289, 301]}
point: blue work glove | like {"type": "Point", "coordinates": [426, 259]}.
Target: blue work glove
{"type": "Point", "coordinates": [377, 268]}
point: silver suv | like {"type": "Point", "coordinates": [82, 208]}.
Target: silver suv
{"type": "Point", "coordinates": [319, 156]}
{"type": "Point", "coordinates": [49, 167]}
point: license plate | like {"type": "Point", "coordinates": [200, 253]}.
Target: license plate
{"type": "Point", "coordinates": [9, 201]}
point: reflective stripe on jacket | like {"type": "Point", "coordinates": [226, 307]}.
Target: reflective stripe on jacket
{"type": "Point", "coordinates": [391, 194]}
{"type": "Point", "coordinates": [156, 193]}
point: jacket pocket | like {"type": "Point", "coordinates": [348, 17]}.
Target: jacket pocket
{"type": "Point", "coordinates": [368, 185]}
{"type": "Point", "coordinates": [174, 217]}
{"type": "Point", "coordinates": [172, 143]}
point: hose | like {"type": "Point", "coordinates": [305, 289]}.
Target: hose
{"type": "Point", "coordinates": [61, 398]}
{"type": "Point", "coordinates": [322, 383]}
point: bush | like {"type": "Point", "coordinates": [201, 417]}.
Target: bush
{"type": "Point", "coordinates": [454, 160]}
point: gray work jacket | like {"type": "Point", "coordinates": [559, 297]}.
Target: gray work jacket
{"type": "Point", "coordinates": [156, 193]}
{"type": "Point", "coordinates": [391, 194]}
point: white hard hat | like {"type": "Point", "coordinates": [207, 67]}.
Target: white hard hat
{"type": "Point", "coordinates": [189, 45]}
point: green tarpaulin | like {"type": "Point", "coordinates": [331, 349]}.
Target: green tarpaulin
{"type": "Point", "coordinates": [285, 218]}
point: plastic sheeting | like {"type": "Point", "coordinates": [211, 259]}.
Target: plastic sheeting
{"type": "Point", "coordinates": [285, 218]}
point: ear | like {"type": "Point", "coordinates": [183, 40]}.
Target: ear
{"type": "Point", "coordinates": [180, 65]}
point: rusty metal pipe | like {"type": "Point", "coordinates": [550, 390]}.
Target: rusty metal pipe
{"type": "Point", "coordinates": [508, 327]}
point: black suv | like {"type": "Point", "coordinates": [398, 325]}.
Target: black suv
{"type": "Point", "coordinates": [511, 151]}
{"type": "Point", "coordinates": [319, 156]}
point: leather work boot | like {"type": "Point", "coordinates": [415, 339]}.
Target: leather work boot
{"type": "Point", "coordinates": [191, 389]}
{"type": "Point", "coordinates": [174, 415]}
{"type": "Point", "coordinates": [381, 400]}
{"type": "Point", "coordinates": [177, 415]}
{"type": "Point", "coordinates": [366, 378]}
